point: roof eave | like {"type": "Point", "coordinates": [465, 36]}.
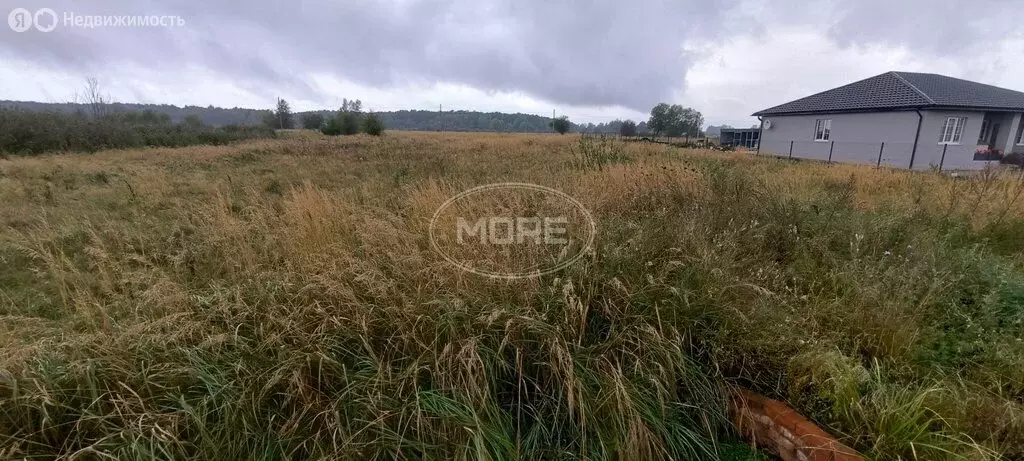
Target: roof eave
{"type": "Point", "coordinates": [980, 108]}
{"type": "Point", "coordinates": [838, 111]}
{"type": "Point", "coordinates": [769, 112]}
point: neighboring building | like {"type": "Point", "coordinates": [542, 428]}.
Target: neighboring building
{"type": "Point", "coordinates": [900, 119]}
{"type": "Point", "coordinates": [739, 137]}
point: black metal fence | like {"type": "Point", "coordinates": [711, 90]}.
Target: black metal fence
{"type": "Point", "coordinates": [928, 155]}
{"type": "Point", "coordinates": [877, 153]}
{"type": "Point", "coordinates": [923, 156]}
{"type": "Point", "coordinates": [652, 138]}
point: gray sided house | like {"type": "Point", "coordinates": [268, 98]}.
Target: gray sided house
{"type": "Point", "coordinates": [900, 119]}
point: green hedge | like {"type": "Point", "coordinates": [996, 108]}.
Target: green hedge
{"type": "Point", "coordinates": [31, 133]}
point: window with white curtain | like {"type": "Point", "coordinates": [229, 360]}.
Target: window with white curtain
{"type": "Point", "coordinates": [822, 129]}
{"type": "Point", "coordinates": [952, 130]}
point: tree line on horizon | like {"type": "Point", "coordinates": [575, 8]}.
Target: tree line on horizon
{"type": "Point", "coordinates": [92, 121]}
{"type": "Point", "coordinates": [404, 120]}
{"type": "Point", "coordinates": [665, 120]}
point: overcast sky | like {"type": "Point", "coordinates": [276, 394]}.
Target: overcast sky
{"type": "Point", "coordinates": [591, 60]}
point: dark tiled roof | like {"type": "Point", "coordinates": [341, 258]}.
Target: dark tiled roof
{"type": "Point", "coordinates": [904, 90]}
{"type": "Point", "coordinates": [949, 91]}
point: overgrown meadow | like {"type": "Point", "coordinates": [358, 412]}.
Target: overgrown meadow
{"type": "Point", "coordinates": [280, 299]}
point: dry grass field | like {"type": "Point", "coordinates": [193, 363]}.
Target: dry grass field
{"type": "Point", "coordinates": [280, 299]}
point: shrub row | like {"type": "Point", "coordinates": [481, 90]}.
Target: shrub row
{"type": "Point", "coordinates": [349, 123]}
{"type": "Point", "coordinates": [31, 133]}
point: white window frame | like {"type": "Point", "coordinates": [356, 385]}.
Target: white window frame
{"type": "Point", "coordinates": [825, 132]}
{"type": "Point", "coordinates": [1020, 135]}
{"type": "Point", "coordinates": [952, 130]}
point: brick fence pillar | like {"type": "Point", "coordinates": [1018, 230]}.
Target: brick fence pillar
{"type": "Point", "coordinates": [779, 429]}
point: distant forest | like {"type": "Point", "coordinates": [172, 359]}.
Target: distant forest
{"type": "Point", "coordinates": [210, 115]}
{"type": "Point", "coordinates": [413, 120]}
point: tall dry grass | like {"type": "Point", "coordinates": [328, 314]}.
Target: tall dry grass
{"type": "Point", "coordinates": [280, 299]}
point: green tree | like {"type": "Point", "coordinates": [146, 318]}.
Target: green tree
{"type": "Point", "coordinates": [350, 118]}
{"type": "Point", "coordinates": [192, 122]}
{"type": "Point", "coordinates": [373, 125]}
{"type": "Point", "coordinates": [347, 121]}
{"type": "Point", "coordinates": [269, 119]}
{"type": "Point", "coordinates": [354, 105]}
{"type": "Point", "coordinates": [675, 126]}
{"type": "Point", "coordinates": [332, 127]}
{"type": "Point", "coordinates": [561, 125]}
{"type": "Point", "coordinates": [628, 128]}
{"type": "Point", "coordinates": [283, 116]}
{"type": "Point", "coordinates": [312, 120]}
{"type": "Point", "coordinates": [692, 122]}
{"type": "Point", "coordinates": [675, 120]}
{"type": "Point", "coordinates": [660, 119]}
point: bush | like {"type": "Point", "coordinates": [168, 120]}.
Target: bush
{"type": "Point", "coordinates": [345, 123]}
{"type": "Point", "coordinates": [313, 121]}
{"type": "Point", "coordinates": [1013, 158]}
{"type": "Point", "coordinates": [628, 128]}
{"type": "Point", "coordinates": [373, 125]}
{"type": "Point", "coordinates": [332, 127]}
{"type": "Point", "coordinates": [33, 133]}
{"type": "Point", "coordinates": [561, 125]}
{"type": "Point", "coordinates": [349, 122]}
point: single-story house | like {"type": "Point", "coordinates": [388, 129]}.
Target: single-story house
{"type": "Point", "coordinates": [901, 119]}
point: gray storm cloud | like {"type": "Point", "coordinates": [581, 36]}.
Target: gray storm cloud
{"type": "Point", "coordinates": [572, 52]}
{"type": "Point", "coordinates": [941, 27]}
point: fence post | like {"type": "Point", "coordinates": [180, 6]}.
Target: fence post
{"type": "Point", "coordinates": [880, 149]}
{"type": "Point", "coordinates": [831, 146]}
{"type": "Point", "coordinates": [791, 149]}
{"type": "Point", "coordinates": [943, 159]}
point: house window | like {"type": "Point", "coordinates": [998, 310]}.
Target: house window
{"type": "Point", "coordinates": [952, 130]}
{"type": "Point", "coordinates": [822, 129]}
{"type": "Point", "coordinates": [1020, 136]}
{"type": "Point", "coordinates": [986, 132]}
